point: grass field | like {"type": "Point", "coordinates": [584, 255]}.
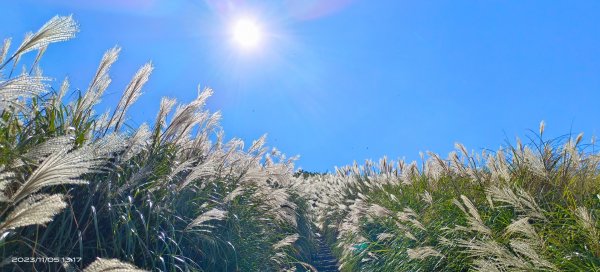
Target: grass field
{"type": "Point", "coordinates": [86, 191]}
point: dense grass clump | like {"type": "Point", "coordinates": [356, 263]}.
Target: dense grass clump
{"type": "Point", "coordinates": [162, 197]}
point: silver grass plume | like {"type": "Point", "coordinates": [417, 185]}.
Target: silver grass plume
{"type": "Point", "coordinates": [585, 219]}
{"type": "Point", "coordinates": [462, 149]}
{"type": "Point", "coordinates": [378, 211]}
{"type": "Point", "coordinates": [435, 167]}
{"type": "Point", "coordinates": [57, 29]}
{"type": "Point", "coordinates": [4, 50]}
{"type": "Point", "coordinates": [277, 203]}
{"type": "Point", "coordinates": [204, 170]}
{"type": "Point", "coordinates": [473, 217]}
{"type": "Point", "coordinates": [239, 190]}
{"type": "Point", "coordinates": [484, 265]}
{"type": "Point", "coordinates": [108, 59]}
{"type": "Point", "coordinates": [522, 226]}
{"type": "Point", "coordinates": [287, 241]}
{"type": "Point", "coordinates": [180, 167]}
{"type": "Point", "coordinates": [202, 136]}
{"type": "Point", "coordinates": [213, 214]}
{"type": "Point", "coordinates": [534, 162]}
{"type": "Point", "coordinates": [494, 254]}
{"type": "Point", "coordinates": [137, 142]}
{"type": "Point", "coordinates": [384, 236]}
{"type": "Point", "coordinates": [35, 67]}
{"type": "Point", "coordinates": [36, 210]}
{"type": "Point", "coordinates": [99, 83]}
{"type": "Point", "coordinates": [64, 167]}
{"type": "Point", "coordinates": [522, 201]}
{"type": "Point", "coordinates": [185, 118]}
{"type": "Point", "coordinates": [6, 178]}
{"type": "Point", "coordinates": [257, 145]}
{"type": "Point", "coordinates": [22, 86]}
{"type": "Point", "coordinates": [351, 224]}
{"type": "Point", "coordinates": [420, 253]}
{"type": "Point", "coordinates": [60, 168]}
{"type": "Point", "coordinates": [101, 122]}
{"type": "Point", "coordinates": [427, 198]}
{"type": "Point", "coordinates": [131, 94]}
{"type": "Point", "coordinates": [572, 158]}
{"type": "Point", "coordinates": [57, 98]}
{"type": "Point", "coordinates": [48, 147]}
{"type": "Point", "coordinates": [166, 104]}
{"type": "Point", "coordinates": [409, 215]}
{"type": "Point", "coordinates": [111, 265]}
{"type": "Point", "coordinates": [498, 166]}
{"type": "Point", "coordinates": [524, 248]}
{"type": "Point", "coordinates": [456, 164]}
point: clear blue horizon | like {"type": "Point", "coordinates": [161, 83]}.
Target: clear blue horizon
{"type": "Point", "coordinates": [338, 81]}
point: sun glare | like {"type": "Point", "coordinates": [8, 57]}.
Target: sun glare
{"type": "Point", "coordinates": [247, 33]}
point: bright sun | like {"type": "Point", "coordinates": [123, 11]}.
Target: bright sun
{"type": "Point", "coordinates": [247, 33]}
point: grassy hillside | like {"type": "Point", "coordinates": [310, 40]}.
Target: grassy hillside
{"type": "Point", "coordinates": [82, 191]}
{"type": "Point", "coordinates": [523, 208]}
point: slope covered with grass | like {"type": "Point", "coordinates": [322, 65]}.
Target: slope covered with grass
{"type": "Point", "coordinates": [173, 196]}
{"type": "Point", "coordinates": [523, 208]}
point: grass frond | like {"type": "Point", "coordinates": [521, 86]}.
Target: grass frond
{"type": "Point", "coordinates": [111, 265]}
{"type": "Point", "coordinates": [57, 29]}
{"type": "Point", "coordinates": [213, 214]}
{"type": "Point", "coordinates": [35, 210]}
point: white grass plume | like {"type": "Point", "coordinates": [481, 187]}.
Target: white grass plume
{"type": "Point", "coordinates": [420, 253]}
{"type": "Point", "coordinates": [48, 147]}
{"type": "Point", "coordinates": [185, 117]}
{"type": "Point", "coordinates": [534, 162]}
{"type": "Point", "coordinates": [64, 167]}
{"type": "Point", "coordinates": [409, 215]}
{"type": "Point", "coordinates": [277, 203]}
{"type": "Point", "coordinates": [485, 265]}
{"type": "Point", "coordinates": [427, 198]}
{"type": "Point", "coordinates": [522, 201]}
{"type": "Point", "coordinates": [287, 241]}
{"type": "Point", "coordinates": [166, 105]}
{"type": "Point", "coordinates": [57, 29]}
{"type": "Point", "coordinates": [58, 97]}
{"type": "Point", "coordinates": [522, 226]}
{"type": "Point", "coordinates": [473, 217]}
{"type": "Point", "coordinates": [22, 86]}
{"type": "Point", "coordinates": [524, 248]}
{"type": "Point", "coordinates": [213, 214]}
{"type": "Point", "coordinates": [585, 219]}
{"type": "Point", "coordinates": [384, 236]}
{"type": "Point", "coordinates": [494, 254]}
{"type": "Point", "coordinates": [131, 94]}
{"type": "Point", "coordinates": [99, 83]}
{"type": "Point", "coordinates": [6, 178]}
{"type": "Point", "coordinates": [205, 169]}
{"type": "Point", "coordinates": [4, 49]}
{"type": "Point", "coordinates": [137, 142]}
{"type": "Point", "coordinates": [111, 265]}
{"type": "Point", "coordinates": [37, 209]}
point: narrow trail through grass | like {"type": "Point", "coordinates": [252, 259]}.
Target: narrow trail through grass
{"type": "Point", "coordinates": [324, 260]}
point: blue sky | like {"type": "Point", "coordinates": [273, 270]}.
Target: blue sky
{"type": "Point", "coordinates": [336, 81]}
